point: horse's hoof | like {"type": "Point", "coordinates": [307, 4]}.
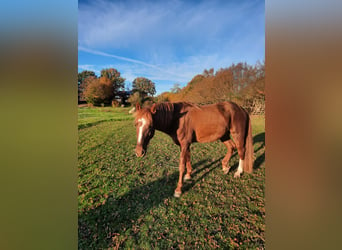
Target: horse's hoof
{"type": "Point", "coordinates": [237, 175]}
{"type": "Point", "coordinates": [187, 178]}
{"type": "Point", "coordinates": [177, 194]}
{"type": "Point", "coordinates": [225, 170]}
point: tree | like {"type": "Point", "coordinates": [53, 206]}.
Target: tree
{"type": "Point", "coordinates": [135, 98]}
{"type": "Point", "coordinates": [144, 86]}
{"type": "Point", "coordinates": [81, 77]}
{"type": "Point", "coordinates": [98, 90]}
{"type": "Point", "coordinates": [115, 77]}
{"type": "Point", "coordinates": [238, 83]}
{"type": "Point", "coordinates": [256, 89]}
{"type": "Point", "coordinates": [208, 73]}
{"type": "Point", "coordinates": [163, 97]}
{"type": "Point", "coordinates": [175, 89]}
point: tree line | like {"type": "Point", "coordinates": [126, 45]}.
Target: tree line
{"type": "Point", "coordinates": [241, 83]}
{"type": "Point", "coordinates": [109, 88]}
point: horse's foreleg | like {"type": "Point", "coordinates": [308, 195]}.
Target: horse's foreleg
{"type": "Point", "coordinates": [230, 149]}
{"type": "Point", "coordinates": [182, 162]}
{"type": "Point", "coordinates": [188, 166]}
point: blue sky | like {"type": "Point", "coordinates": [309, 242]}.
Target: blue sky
{"type": "Point", "coordinates": [169, 42]}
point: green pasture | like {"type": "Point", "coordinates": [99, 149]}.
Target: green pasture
{"type": "Point", "coordinates": [128, 202]}
{"type": "Point", "coordinates": [88, 117]}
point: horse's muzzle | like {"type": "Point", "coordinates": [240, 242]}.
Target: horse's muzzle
{"type": "Point", "coordinates": [140, 153]}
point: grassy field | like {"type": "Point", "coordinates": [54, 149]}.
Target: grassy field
{"type": "Point", "coordinates": [128, 202]}
{"type": "Point", "coordinates": [88, 117]}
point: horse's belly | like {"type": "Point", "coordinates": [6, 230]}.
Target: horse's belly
{"type": "Point", "coordinates": [208, 124]}
{"type": "Point", "coordinates": [209, 134]}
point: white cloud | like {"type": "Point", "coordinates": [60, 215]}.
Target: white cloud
{"type": "Point", "coordinates": [137, 62]}
{"type": "Point", "coordinates": [161, 27]}
{"type": "Point", "coordinates": [169, 73]}
{"type": "Point", "coordinates": [170, 41]}
{"type": "Point", "coordinates": [90, 68]}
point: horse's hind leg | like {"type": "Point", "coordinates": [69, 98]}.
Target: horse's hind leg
{"type": "Point", "coordinates": [238, 138]}
{"type": "Point", "coordinates": [230, 149]}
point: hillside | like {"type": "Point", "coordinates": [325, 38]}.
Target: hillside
{"type": "Point", "coordinates": [239, 83]}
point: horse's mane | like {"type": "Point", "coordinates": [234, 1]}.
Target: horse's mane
{"type": "Point", "coordinates": [167, 112]}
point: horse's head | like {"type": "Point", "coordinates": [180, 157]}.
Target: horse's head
{"type": "Point", "coordinates": [145, 130]}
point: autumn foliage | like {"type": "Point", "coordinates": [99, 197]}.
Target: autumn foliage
{"type": "Point", "coordinates": [98, 90]}
{"type": "Point", "coordinates": [115, 77]}
{"type": "Point", "coordinates": [239, 83]}
{"type": "Point", "coordinates": [144, 86]}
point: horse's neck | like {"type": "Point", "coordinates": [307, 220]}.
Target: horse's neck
{"type": "Point", "coordinates": [164, 123]}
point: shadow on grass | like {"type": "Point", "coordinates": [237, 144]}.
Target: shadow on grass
{"type": "Point", "coordinates": [258, 161]}
{"type": "Point", "coordinates": [207, 169]}
{"type": "Point", "coordinates": [98, 226]}
{"type": "Point", "coordinates": [259, 138]}
{"type": "Point", "coordinates": [117, 216]}
{"type": "Point", "coordinates": [91, 124]}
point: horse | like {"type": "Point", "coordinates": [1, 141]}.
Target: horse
{"type": "Point", "coordinates": [187, 123]}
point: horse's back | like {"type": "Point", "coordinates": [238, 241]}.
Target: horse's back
{"type": "Point", "coordinates": [208, 123]}
{"type": "Point", "coordinates": [215, 121]}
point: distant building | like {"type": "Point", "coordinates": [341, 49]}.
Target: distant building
{"type": "Point", "coordinates": [80, 99]}
{"type": "Point", "coordinates": [122, 96]}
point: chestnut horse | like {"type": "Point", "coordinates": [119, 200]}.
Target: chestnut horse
{"type": "Point", "coordinates": [186, 123]}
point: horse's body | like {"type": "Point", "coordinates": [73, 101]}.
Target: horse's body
{"type": "Point", "coordinates": [187, 123]}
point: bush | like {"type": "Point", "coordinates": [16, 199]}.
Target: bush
{"type": "Point", "coordinates": [135, 98]}
{"type": "Point", "coordinates": [115, 104]}
{"type": "Point", "coordinates": [163, 97]}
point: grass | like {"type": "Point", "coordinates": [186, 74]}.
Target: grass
{"type": "Point", "coordinates": [128, 202]}
{"type": "Point", "coordinates": [88, 117]}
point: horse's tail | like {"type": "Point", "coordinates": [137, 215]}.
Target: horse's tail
{"type": "Point", "coordinates": [249, 150]}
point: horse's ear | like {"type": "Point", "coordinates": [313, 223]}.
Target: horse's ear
{"type": "Point", "coordinates": [137, 106]}
{"type": "Point", "coordinates": [153, 108]}
{"type": "Point", "coordinates": [132, 111]}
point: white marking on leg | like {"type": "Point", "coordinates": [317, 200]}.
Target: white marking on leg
{"type": "Point", "coordinates": [140, 132]}
{"type": "Point", "coordinates": [240, 168]}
